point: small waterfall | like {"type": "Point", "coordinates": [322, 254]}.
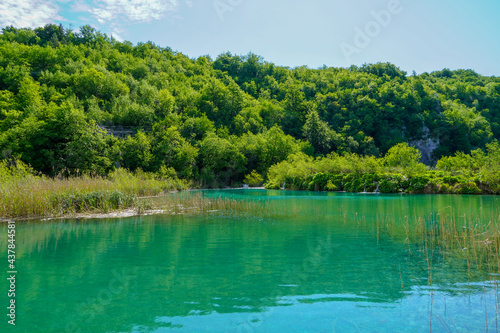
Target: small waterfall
{"type": "Point", "coordinates": [376, 190]}
{"type": "Point", "coordinates": [283, 186]}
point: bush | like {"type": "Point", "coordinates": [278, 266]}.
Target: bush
{"type": "Point", "coordinates": [417, 184]}
{"type": "Point", "coordinates": [330, 186]}
{"type": "Point", "coordinates": [254, 179]}
{"type": "Point", "coordinates": [445, 189]}
{"type": "Point", "coordinates": [390, 183]}
{"type": "Point", "coordinates": [468, 188]}
{"type": "Point", "coordinates": [370, 181]}
{"type": "Point", "coordinates": [272, 186]}
{"type": "Point", "coordinates": [353, 183]}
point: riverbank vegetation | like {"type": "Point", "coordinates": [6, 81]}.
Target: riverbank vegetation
{"type": "Point", "coordinates": [398, 171]}
{"type": "Point", "coordinates": [24, 193]}
{"type": "Point", "coordinates": [471, 239]}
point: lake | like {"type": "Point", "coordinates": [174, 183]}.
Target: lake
{"type": "Point", "coordinates": [322, 262]}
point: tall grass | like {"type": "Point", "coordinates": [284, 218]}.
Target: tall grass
{"type": "Point", "coordinates": [473, 239]}
{"type": "Point", "coordinates": [197, 203]}
{"type": "Point", "coordinates": [25, 194]}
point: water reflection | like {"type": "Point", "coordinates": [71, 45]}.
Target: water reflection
{"type": "Point", "coordinates": [324, 269]}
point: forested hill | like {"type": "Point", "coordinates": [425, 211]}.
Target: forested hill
{"type": "Point", "coordinates": [62, 93]}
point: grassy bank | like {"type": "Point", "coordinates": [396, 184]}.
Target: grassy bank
{"type": "Point", "coordinates": [26, 194]}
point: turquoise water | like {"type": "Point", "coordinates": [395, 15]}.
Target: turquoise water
{"type": "Point", "coordinates": [317, 265]}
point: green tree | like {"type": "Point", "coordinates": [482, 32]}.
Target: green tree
{"type": "Point", "coordinates": [196, 129]}
{"type": "Point", "coordinates": [404, 157]}
{"type": "Point", "coordinates": [279, 146]}
{"type": "Point", "coordinates": [220, 161]}
{"type": "Point", "coordinates": [317, 133]}
{"type": "Point", "coordinates": [62, 140]}
{"type": "Point", "coordinates": [28, 97]}
{"type": "Point", "coordinates": [248, 120]}
{"type": "Point", "coordinates": [170, 149]}
{"type": "Point", "coordinates": [165, 104]}
{"type": "Point", "coordinates": [136, 152]}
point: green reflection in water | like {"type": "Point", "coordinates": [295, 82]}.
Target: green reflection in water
{"type": "Point", "coordinates": [318, 265]}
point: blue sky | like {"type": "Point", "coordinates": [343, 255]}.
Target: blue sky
{"type": "Point", "coordinates": [420, 35]}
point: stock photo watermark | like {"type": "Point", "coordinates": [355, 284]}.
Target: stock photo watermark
{"type": "Point", "coordinates": [363, 36]}
{"type": "Point", "coordinates": [11, 271]}
{"type": "Point", "coordinates": [223, 6]}
{"type": "Point", "coordinates": [96, 305]}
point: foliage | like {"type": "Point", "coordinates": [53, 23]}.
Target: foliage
{"type": "Point", "coordinates": [99, 200]}
{"type": "Point", "coordinates": [397, 172]}
{"type": "Point", "coordinates": [59, 88]}
{"type": "Point", "coordinates": [317, 133]}
{"type": "Point", "coordinates": [220, 161]}
{"type": "Point", "coordinates": [253, 179]}
{"type": "Point", "coordinates": [23, 193]}
{"type": "Point", "coordinates": [405, 158]}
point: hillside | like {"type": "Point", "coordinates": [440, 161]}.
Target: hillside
{"type": "Point", "coordinates": [64, 94]}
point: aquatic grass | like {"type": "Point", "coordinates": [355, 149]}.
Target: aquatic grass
{"type": "Point", "coordinates": [473, 239]}
{"type": "Point", "coordinates": [197, 203]}
{"type": "Point", "coordinates": [470, 239]}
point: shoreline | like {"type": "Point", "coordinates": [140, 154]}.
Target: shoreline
{"type": "Point", "coordinates": [130, 212]}
{"type": "Point", "coordinates": [140, 211]}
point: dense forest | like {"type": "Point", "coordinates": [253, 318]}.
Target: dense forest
{"type": "Point", "coordinates": [82, 102]}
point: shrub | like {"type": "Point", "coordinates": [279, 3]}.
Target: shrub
{"type": "Point", "coordinates": [331, 186]}
{"type": "Point", "coordinates": [272, 185]}
{"type": "Point", "coordinates": [254, 179]}
{"type": "Point", "coordinates": [468, 188]}
{"type": "Point", "coordinates": [390, 183]}
{"type": "Point", "coordinates": [417, 184]}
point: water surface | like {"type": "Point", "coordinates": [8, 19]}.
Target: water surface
{"type": "Point", "coordinates": [319, 264]}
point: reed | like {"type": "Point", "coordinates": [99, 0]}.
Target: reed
{"type": "Point", "coordinates": [24, 194]}
{"type": "Point", "coordinates": [195, 202]}
{"type": "Point", "coordinates": [472, 238]}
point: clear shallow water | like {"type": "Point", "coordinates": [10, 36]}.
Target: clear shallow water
{"type": "Point", "coordinates": [320, 267]}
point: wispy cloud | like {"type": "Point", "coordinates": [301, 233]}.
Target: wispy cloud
{"type": "Point", "coordinates": [28, 13]}
{"type": "Point", "coordinates": [117, 14]}
{"type": "Point", "coordinates": [138, 11]}
{"type": "Point", "coordinates": [113, 15]}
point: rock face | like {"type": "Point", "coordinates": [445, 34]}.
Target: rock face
{"type": "Point", "coordinates": [426, 146]}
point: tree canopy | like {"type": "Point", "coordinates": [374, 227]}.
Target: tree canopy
{"type": "Point", "coordinates": [216, 121]}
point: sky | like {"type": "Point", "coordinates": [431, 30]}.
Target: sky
{"type": "Point", "coordinates": [415, 35]}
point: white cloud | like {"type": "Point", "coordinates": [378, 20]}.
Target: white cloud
{"type": "Point", "coordinates": [28, 13]}
{"type": "Point", "coordinates": [79, 6]}
{"type": "Point", "coordinates": [115, 14]}
{"type": "Point", "coordinates": [138, 11]}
